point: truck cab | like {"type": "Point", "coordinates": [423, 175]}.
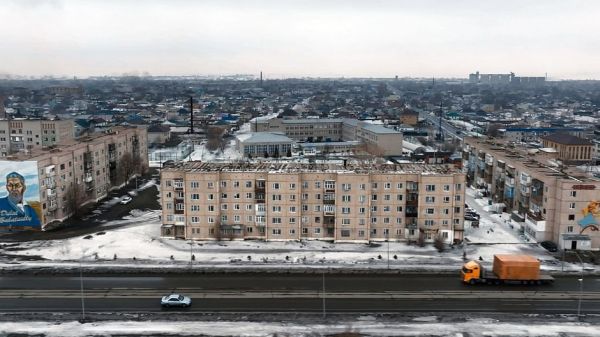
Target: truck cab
{"type": "Point", "coordinates": [471, 272]}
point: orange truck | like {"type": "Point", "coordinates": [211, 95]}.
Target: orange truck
{"type": "Point", "coordinates": [507, 268]}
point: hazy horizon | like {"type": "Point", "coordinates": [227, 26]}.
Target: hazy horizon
{"type": "Point", "coordinates": [305, 38]}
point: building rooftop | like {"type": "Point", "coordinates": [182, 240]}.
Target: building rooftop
{"type": "Point", "coordinates": [544, 163]}
{"type": "Point", "coordinates": [263, 137]}
{"type": "Point", "coordinates": [362, 168]}
{"type": "Point", "coordinates": [566, 139]}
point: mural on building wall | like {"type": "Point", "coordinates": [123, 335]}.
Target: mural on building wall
{"type": "Point", "coordinates": [591, 217]}
{"type": "Point", "coordinates": [20, 206]}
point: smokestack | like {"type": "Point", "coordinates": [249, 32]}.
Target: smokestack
{"type": "Point", "coordinates": [191, 115]}
{"type": "Point", "coordinates": [2, 111]}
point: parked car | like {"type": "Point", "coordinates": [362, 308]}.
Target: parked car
{"type": "Point", "coordinates": [175, 300]}
{"type": "Point", "coordinates": [125, 200]}
{"type": "Point", "coordinates": [471, 218]}
{"type": "Point", "coordinates": [549, 246]}
{"type": "Point", "coordinates": [472, 214]}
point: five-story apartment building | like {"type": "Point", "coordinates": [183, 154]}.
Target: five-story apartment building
{"type": "Point", "coordinates": [352, 203]}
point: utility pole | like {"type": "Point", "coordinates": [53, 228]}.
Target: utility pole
{"type": "Point", "coordinates": [81, 288]}
{"type": "Point", "coordinates": [324, 312]}
{"type": "Point", "coordinates": [580, 287]}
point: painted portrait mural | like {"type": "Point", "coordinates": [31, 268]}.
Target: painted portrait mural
{"type": "Point", "coordinates": [20, 206]}
{"type": "Point", "coordinates": [591, 217]}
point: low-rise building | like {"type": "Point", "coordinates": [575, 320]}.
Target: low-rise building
{"type": "Point", "coordinates": [292, 201]}
{"type": "Point", "coordinates": [377, 139]}
{"type": "Point", "coordinates": [570, 149]}
{"type": "Point", "coordinates": [264, 144]}
{"type": "Point", "coordinates": [23, 134]}
{"type": "Point", "coordinates": [552, 201]}
{"type": "Point", "coordinates": [46, 186]}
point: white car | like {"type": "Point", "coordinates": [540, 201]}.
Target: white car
{"type": "Point", "coordinates": [175, 300]}
{"type": "Point", "coordinates": [125, 200]}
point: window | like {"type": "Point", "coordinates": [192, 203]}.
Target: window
{"type": "Point", "coordinates": [361, 233]}
{"type": "Point", "coordinates": [399, 186]}
{"type": "Point", "coordinates": [236, 207]}
{"type": "Point", "coordinates": [446, 211]}
{"type": "Point", "coordinates": [318, 196]}
{"type": "Point", "coordinates": [446, 188]}
{"type": "Point", "coordinates": [399, 209]}
{"type": "Point", "coordinates": [249, 195]}
{"type": "Point", "coordinates": [304, 208]}
{"type": "Point", "coordinates": [194, 184]}
{"type": "Point", "coordinates": [276, 197]}
{"type": "Point", "coordinates": [345, 221]}
{"type": "Point", "coordinates": [569, 229]}
{"type": "Point", "coordinates": [305, 196]}
{"type": "Point", "coordinates": [292, 209]}
{"type": "Point", "coordinates": [292, 221]}
{"type": "Point", "coordinates": [361, 210]}
{"type": "Point", "coordinates": [276, 231]}
{"type": "Point", "coordinates": [292, 197]}
{"type": "Point", "coordinates": [211, 184]}
{"type": "Point", "coordinates": [346, 198]}
{"type": "Point", "coordinates": [249, 218]}
{"type": "Point", "coordinates": [236, 184]}
{"type": "Point", "coordinates": [457, 210]}
{"type": "Point", "coordinates": [346, 187]}
{"type": "Point", "coordinates": [195, 208]}
{"type": "Point", "coordinates": [345, 210]}
{"type": "Point", "coordinates": [236, 218]}
{"type": "Point", "coordinates": [179, 206]}
{"type": "Point", "coordinates": [275, 186]}
{"type": "Point", "coordinates": [211, 219]}
{"type": "Point", "coordinates": [223, 184]}
{"type": "Point", "coordinates": [386, 208]}
{"type": "Point", "coordinates": [317, 208]}
{"type": "Point", "coordinates": [292, 231]}
{"type": "Point", "coordinates": [304, 230]}
{"type": "Point", "coordinates": [399, 221]}
{"type": "Point", "coordinates": [211, 208]}
{"type": "Point", "coordinates": [211, 197]}
{"type": "Point", "coordinates": [374, 231]}
{"type": "Point", "coordinates": [458, 187]}
{"type": "Point", "coordinates": [317, 184]}
{"type": "Point", "coordinates": [387, 197]}
{"type": "Point", "coordinates": [223, 195]}
{"type": "Point", "coordinates": [345, 233]}
{"type": "Point", "coordinates": [387, 186]}
{"type": "Point", "coordinates": [223, 207]}
{"type": "Point", "coordinates": [399, 197]}
{"type": "Point", "coordinates": [430, 200]}
{"type": "Point", "coordinates": [374, 197]}
{"type": "Point", "coordinates": [429, 222]}
{"type": "Point", "coordinates": [329, 184]}
{"type": "Point", "coordinates": [362, 198]}
{"type": "Point", "coordinates": [236, 196]}
{"type": "Point", "coordinates": [305, 184]}
{"type": "Point", "coordinates": [386, 220]}
{"type": "Point", "coordinates": [292, 186]}
{"type": "Point", "coordinates": [277, 209]}
{"type": "Point", "coordinates": [457, 197]}
{"type": "Point", "coordinates": [276, 220]}
{"type": "Point", "coordinates": [195, 219]}
{"type": "Point", "coordinates": [572, 205]}
{"type": "Point", "coordinates": [317, 230]}
{"type": "Point", "coordinates": [571, 216]}
{"type": "Point", "coordinates": [429, 211]}
{"type": "Point", "coordinates": [446, 200]}
{"type": "Point", "coordinates": [195, 196]}
{"type": "Point", "coordinates": [373, 208]}
{"type": "Point", "coordinates": [317, 219]}
{"type": "Point", "coordinates": [373, 220]}
{"type": "Point", "coordinates": [573, 193]}
{"type": "Point", "coordinates": [373, 185]}
{"type": "Point", "coordinates": [430, 188]}
{"type": "Point", "coordinates": [248, 184]}
{"type": "Point", "coordinates": [362, 186]}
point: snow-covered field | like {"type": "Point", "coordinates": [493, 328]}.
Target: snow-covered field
{"type": "Point", "coordinates": [363, 326]}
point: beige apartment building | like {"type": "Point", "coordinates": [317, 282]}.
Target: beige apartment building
{"type": "Point", "coordinates": [22, 135]}
{"type": "Point", "coordinates": [553, 202]}
{"type": "Point", "coordinates": [351, 203]}
{"type": "Point", "coordinates": [377, 139]}
{"type": "Point", "coordinates": [58, 180]}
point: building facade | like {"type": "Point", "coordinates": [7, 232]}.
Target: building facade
{"type": "Point", "coordinates": [570, 149]}
{"type": "Point", "coordinates": [552, 202]}
{"type": "Point", "coordinates": [377, 139]}
{"type": "Point", "coordinates": [341, 203]}
{"type": "Point", "coordinates": [264, 144]}
{"type": "Point", "coordinates": [22, 135]}
{"type": "Point", "coordinates": [59, 180]}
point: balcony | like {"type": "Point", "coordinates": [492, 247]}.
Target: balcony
{"type": "Point", "coordinates": [178, 185]}
{"type": "Point", "coordinates": [535, 216]}
{"type": "Point", "coordinates": [328, 201]}
{"type": "Point", "coordinates": [53, 206]}
{"type": "Point", "coordinates": [88, 178]}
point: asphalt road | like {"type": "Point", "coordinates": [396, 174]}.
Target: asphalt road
{"type": "Point", "coordinates": [276, 293]}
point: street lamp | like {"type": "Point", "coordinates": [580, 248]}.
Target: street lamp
{"type": "Point", "coordinates": [81, 288]}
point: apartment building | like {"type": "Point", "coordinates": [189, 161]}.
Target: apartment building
{"type": "Point", "coordinates": [52, 183]}
{"type": "Point", "coordinates": [293, 201]}
{"type": "Point", "coordinates": [376, 138]}
{"type": "Point", "coordinates": [22, 135]}
{"type": "Point", "coordinates": [552, 201]}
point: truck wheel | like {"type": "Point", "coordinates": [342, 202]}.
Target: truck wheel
{"type": "Point", "coordinates": [472, 282]}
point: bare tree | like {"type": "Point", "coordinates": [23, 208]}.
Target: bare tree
{"type": "Point", "coordinates": [126, 167]}
{"type": "Point", "coordinates": [75, 197]}
{"type": "Point", "coordinates": [214, 136]}
{"type": "Point", "coordinates": [439, 244]}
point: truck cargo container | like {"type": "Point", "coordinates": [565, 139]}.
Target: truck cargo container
{"type": "Point", "coordinates": [523, 269]}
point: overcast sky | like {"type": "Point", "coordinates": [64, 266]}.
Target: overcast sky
{"type": "Point", "coordinates": [366, 38]}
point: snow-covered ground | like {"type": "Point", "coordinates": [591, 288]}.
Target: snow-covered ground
{"type": "Point", "coordinates": [363, 326]}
